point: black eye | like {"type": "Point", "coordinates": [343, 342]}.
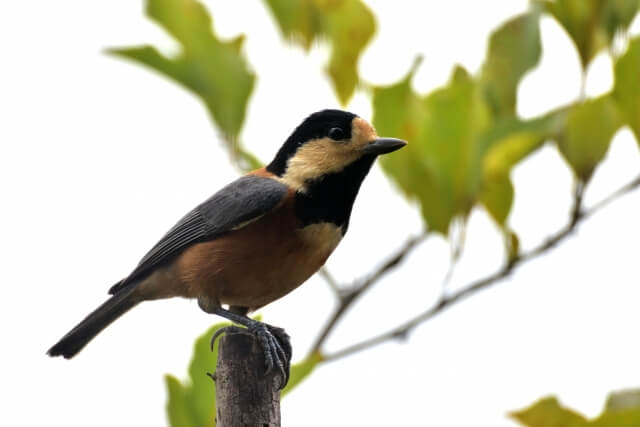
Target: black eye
{"type": "Point", "coordinates": [336, 134]}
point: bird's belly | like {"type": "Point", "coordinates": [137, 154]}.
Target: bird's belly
{"type": "Point", "coordinates": [276, 268]}
{"type": "Point", "coordinates": [256, 265]}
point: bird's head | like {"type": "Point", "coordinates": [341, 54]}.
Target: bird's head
{"type": "Point", "coordinates": [327, 143]}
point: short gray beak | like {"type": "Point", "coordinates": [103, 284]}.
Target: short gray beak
{"type": "Point", "coordinates": [384, 146]}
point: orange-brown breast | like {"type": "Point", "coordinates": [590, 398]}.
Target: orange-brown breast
{"type": "Point", "coordinates": [258, 263]}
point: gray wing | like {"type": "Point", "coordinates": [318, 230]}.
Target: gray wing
{"type": "Point", "coordinates": [245, 199]}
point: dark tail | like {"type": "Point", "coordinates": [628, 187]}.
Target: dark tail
{"type": "Point", "coordinates": [95, 322]}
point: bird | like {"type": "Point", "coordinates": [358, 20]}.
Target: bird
{"type": "Point", "coordinates": [256, 239]}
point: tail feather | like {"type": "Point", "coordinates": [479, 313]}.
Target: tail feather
{"type": "Point", "coordinates": [95, 322]}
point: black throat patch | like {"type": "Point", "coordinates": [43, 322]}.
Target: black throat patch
{"type": "Point", "coordinates": [330, 198]}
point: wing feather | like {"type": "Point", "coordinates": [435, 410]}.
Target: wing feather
{"type": "Point", "coordinates": [231, 208]}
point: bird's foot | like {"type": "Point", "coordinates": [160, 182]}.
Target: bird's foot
{"type": "Point", "coordinates": [232, 329]}
{"type": "Point", "coordinates": [275, 343]}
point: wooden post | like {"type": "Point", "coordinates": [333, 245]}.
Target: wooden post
{"type": "Point", "coordinates": [245, 397]}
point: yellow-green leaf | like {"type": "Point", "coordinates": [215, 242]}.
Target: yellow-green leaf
{"type": "Point", "coordinates": [192, 403]}
{"type": "Point", "coordinates": [301, 370]}
{"type": "Point", "coordinates": [202, 391]}
{"type": "Point", "coordinates": [514, 49]}
{"type": "Point", "coordinates": [626, 418]}
{"type": "Point", "coordinates": [497, 197]}
{"type": "Point", "coordinates": [178, 409]}
{"type": "Point", "coordinates": [442, 165]}
{"type": "Point", "coordinates": [587, 136]}
{"type": "Point", "coordinates": [617, 15]}
{"type": "Point", "coordinates": [455, 116]}
{"type": "Point", "coordinates": [299, 21]}
{"type": "Point", "coordinates": [580, 19]}
{"type": "Point", "coordinates": [214, 70]}
{"type": "Point", "coordinates": [349, 25]}
{"type": "Point", "coordinates": [622, 410]}
{"type": "Point", "coordinates": [398, 111]}
{"type": "Point", "coordinates": [548, 413]}
{"type": "Point", "coordinates": [627, 86]}
{"type": "Point", "coordinates": [508, 142]}
{"type": "Point", "coordinates": [458, 154]}
{"type": "Point", "coordinates": [623, 400]}
{"type": "Point", "coordinates": [195, 398]}
{"type": "Point", "coordinates": [592, 24]}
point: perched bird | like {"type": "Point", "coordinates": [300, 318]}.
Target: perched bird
{"type": "Point", "coordinates": [256, 239]}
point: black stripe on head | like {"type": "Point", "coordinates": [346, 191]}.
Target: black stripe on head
{"type": "Point", "coordinates": [315, 126]}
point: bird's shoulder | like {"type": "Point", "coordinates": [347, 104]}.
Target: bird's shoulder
{"type": "Point", "coordinates": [245, 198]}
{"type": "Point", "coordinates": [232, 207]}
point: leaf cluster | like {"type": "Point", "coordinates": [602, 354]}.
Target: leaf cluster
{"type": "Point", "coordinates": [621, 410]}
{"type": "Point", "coordinates": [191, 403]}
{"type": "Point", "coordinates": [465, 137]}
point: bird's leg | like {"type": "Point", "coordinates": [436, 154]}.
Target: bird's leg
{"type": "Point", "coordinates": [274, 341]}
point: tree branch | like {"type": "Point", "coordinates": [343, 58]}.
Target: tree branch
{"type": "Point", "coordinates": [577, 216]}
{"type": "Point", "coordinates": [348, 296]}
{"type": "Point", "coordinates": [331, 281]}
{"type": "Point", "coordinates": [245, 396]}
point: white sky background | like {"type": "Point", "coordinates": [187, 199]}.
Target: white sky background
{"type": "Point", "coordinates": [99, 157]}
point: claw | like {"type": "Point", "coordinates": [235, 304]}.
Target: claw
{"type": "Point", "coordinates": [275, 343]}
{"type": "Point", "coordinates": [283, 338]}
{"type": "Point", "coordinates": [224, 330]}
{"type": "Point", "coordinates": [277, 348]}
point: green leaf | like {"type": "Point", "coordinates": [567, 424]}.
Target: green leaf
{"type": "Point", "coordinates": [301, 371]}
{"type": "Point", "coordinates": [627, 418]}
{"type": "Point", "coordinates": [214, 70]}
{"type": "Point", "coordinates": [579, 18]}
{"type": "Point", "coordinates": [626, 91]}
{"type": "Point", "coordinates": [623, 400]}
{"type": "Point", "coordinates": [455, 117]}
{"type": "Point", "coordinates": [178, 409]}
{"type": "Point", "coordinates": [398, 111]}
{"type": "Point", "coordinates": [458, 154]}
{"type": "Point", "coordinates": [617, 15]}
{"type": "Point", "coordinates": [442, 165]}
{"type": "Point", "coordinates": [202, 391]}
{"type": "Point", "coordinates": [514, 49]}
{"type": "Point", "coordinates": [587, 136]}
{"type": "Point", "coordinates": [194, 400]}
{"type": "Point", "coordinates": [592, 24]}
{"type": "Point", "coordinates": [497, 197]}
{"type": "Point", "coordinates": [299, 21]}
{"type": "Point", "coordinates": [508, 142]}
{"type": "Point", "coordinates": [250, 161]}
{"type": "Point", "coordinates": [622, 410]}
{"type": "Point", "coordinates": [348, 24]}
{"type": "Point", "coordinates": [548, 413]}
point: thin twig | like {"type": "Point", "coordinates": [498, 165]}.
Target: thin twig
{"type": "Point", "coordinates": [332, 282]}
{"type": "Point", "coordinates": [630, 186]}
{"type": "Point", "coordinates": [457, 247]}
{"type": "Point", "coordinates": [349, 295]}
{"type": "Point", "coordinates": [577, 215]}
